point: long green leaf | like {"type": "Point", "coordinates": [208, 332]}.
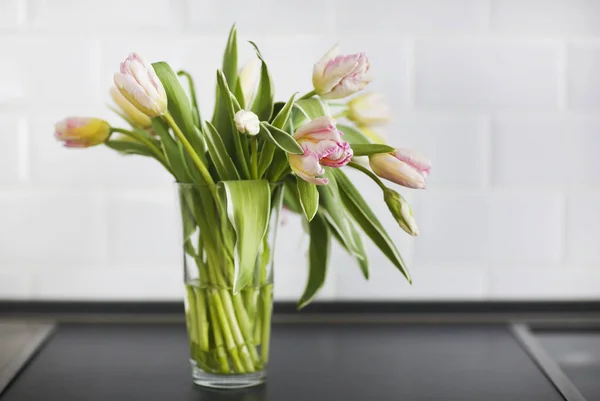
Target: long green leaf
{"type": "Point", "coordinates": [248, 205]}
{"type": "Point", "coordinates": [193, 98]}
{"type": "Point", "coordinates": [282, 117]}
{"type": "Point", "coordinates": [309, 198]}
{"type": "Point", "coordinates": [366, 219]}
{"type": "Point", "coordinates": [263, 101]}
{"type": "Point", "coordinates": [266, 158]}
{"type": "Point", "coordinates": [231, 131]}
{"type": "Point", "coordinates": [320, 243]}
{"type": "Point", "coordinates": [172, 152]}
{"type": "Point", "coordinates": [291, 198]}
{"type": "Point", "coordinates": [368, 149]}
{"type": "Point", "coordinates": [218, 154]}
{"type": "Point", "coordinates": [129, 147]}
{"type": "Point", "coordinates": [363, 262]}
{"type": "Point", "coordinates": [353, 135]}
{"type": "Point", "coordinates": [230, 58]}
{"type": "Point", "coordinates": [179, 106]}
{"type": "Point", "coordinates": [280, 138]}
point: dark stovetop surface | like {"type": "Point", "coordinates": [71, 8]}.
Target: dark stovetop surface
{"type": "Point", "coordinates": [111, 362]}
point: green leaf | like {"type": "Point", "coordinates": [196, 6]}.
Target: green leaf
{"type": "Point", "coordinates": [129, 147]}
{"type": "Point", "coordinates": [230, 58]}
{"type": "Point", "coordinates": [231, 131]}
{"type": "Point", "coordinates": [192, 90]}
{"type": "Point", "coordinates": [266, 158]}
{"type": "Point", "coordinates": [363, 262]}
{"type": "Point", "coordinates": [367, 149]}
{"type": "Point", "coordinates": [172, 151]}
{"type": "Point", "coordinates": [309, 198]}
{"type": "Point", "coordinates": [320, 243]}
{"type": "Point", "coordinates": [353, 135]}
{"type": "Point", "coordinates": [291, 198]}
{"type": "Point", "coordinates": [284, 114]}
{"type": "Point", "coordinates": [218, 154]}
{"type": "Point", "coordinates": [179, 106]}
{"type": "Point", "coordinates": [263, 101]}
{"type": "Point", "coordinates": [366, 219]}
{"type": "Point", "coordinates": [248, 205]}
{"type": "Point", "coordinates": [280, 138]}
{"type": "Point", "coordinates": [338, 218]}
{"type": "Point", "coordinates": [313, 107]}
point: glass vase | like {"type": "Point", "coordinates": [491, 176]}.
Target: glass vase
{"type": "Point", "coordinates": [228, 331]}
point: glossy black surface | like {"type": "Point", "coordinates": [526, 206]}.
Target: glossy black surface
{"type": "Point", "coordinates": [309, 362]}
{"type": "Point", "coordinates": [577, 353]}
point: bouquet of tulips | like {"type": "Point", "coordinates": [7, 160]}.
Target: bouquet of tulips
{"type": "Point", "coordinates": [239, 166]}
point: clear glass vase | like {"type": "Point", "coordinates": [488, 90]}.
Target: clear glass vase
{"type": "Point", "coordinates": [228, 332]}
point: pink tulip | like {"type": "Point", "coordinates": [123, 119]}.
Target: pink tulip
{"type": "Point", "coordinates": [323, 146]}
{"type": "Point", "coordinates": [81, 132]}
{"type": "Point", "coordinates": [335, 76]}
{"type": "Point", "coordinates": [404, 167]}
{"type": "Point", "coordinates": [138, 82]}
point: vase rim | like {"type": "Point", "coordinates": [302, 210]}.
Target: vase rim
{"type": "Point", "coordinates": [192, 185]}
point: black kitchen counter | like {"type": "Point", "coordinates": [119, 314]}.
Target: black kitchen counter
{"type": "Point", "coordinates": [309, 362]}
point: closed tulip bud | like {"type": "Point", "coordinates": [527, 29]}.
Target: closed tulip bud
{"type": "Point", "coordinates": [130, 112]}
{"type": "Point", "coordinates": [138, 82]}
{"type": "Point", "coordinates": [401, 211]}
{"type": "Point", "coordinates": [337, 76]}
{"type": "Point", "coordinates": [404, 167]}
{"type": "Point", "coordinates": [247, 122]}
{"type": "Point", "coordinates": [81, 132]}
{"type": "Point", "coordinates": [369, 109]}
{"type": "Point", "coordinates": [323, 146]}
{"type": "Point", "coordinates": [249, 76]}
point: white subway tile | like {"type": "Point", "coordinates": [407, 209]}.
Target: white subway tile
{"type": "Point", "coordinates": [483, 74]}
{"type": "Point", "coordinates": [50, 230]}
{"type": "Point", "coordinates": [583, 228]}
{"type": "Point", "coordinates": [544, 284]}
{"type": "Point", "coordinates": [260, 16]}
{"type": "Point", "coordinates": [116, 283]}
{"type": "Point", "coordinates": [455, 145]}
{"type": "Point", "coordinates": [386, 283]}
{"type": "Point", "coordinates": [546, 152]}
{"type": "Point", "coordinates": [9, 149]}
{"type": "Point", "coordinates": [14, 283]}
{"type": "Point", "coordinates": [412, 16]}
{"type": "Point", "coordinates": [558, 17]}
{"type": "Point", "coordinates": [142, 230]}
{"type": "Point", "coordinates": [70, 78]}
{"type": "Point", "coordinates": [583, 79]}
{"type": "Point", "coordinates": [91, 16]}
{"type": "Point", "coordinates": [11, 15]}
{"type": "Point", "coordinates": [489, 229]}
{"type": "Point", "coordinates": [53, 164]}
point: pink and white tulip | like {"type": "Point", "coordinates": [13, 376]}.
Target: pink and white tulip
{"type": "Point", "coordinates": [81, 132]}
{"type": "Point", "coordinates": [129, 111]}
{"type": "Point", "coordinates": [138, 82]}
{"type": "Point", "coordinates": [404, 167]}
{"type": "Point", "coordinates": [337, 76]}
{"type": "Point", "coordinates": [323, 146]}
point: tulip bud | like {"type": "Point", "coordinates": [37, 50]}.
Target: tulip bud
{"type": "Point", "coordinates": [247, 122]}
{"type": "Point", "coordinates": [81, 132]}
{"type": "Point", "coordinates": [249, 76]}
{"type": "Point", "coordinates": [132, 114]}
{"type": "Point", "coordinates": [138, 82]}
{"type": "Point", "coordinates": [404, 167]}
{"type": "Point", "coordinates": [335, 76]}
{"type": "Point", "coordinates": [369, 109]}
{"type": "Point", "coordinates": [401, 211]}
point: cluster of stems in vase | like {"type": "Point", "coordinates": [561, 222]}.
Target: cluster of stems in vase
{"type": "Point", "coordinates": [239, 166]}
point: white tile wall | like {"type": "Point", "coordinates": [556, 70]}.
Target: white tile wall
{"type": "Point", "coordinates": [503, 95]}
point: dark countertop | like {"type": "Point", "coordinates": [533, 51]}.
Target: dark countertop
{"type": "Point", "coordinates": [344, 361]}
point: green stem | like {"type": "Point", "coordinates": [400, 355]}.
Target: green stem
{"type": "Point", "coordinates": [254, 157]}
{"type": "Point", "coordinates": [218, 336]}
{"type": "Point", "coordinates": [368, 172]}
{"type": "Point", "coordinates": [188, 147]}
{"type": "Point", "coordinates": [308, 95]}
{"type": "Point", "coordinates": [342, 114]}
{"type": "Point", "coordinates": [196, 109]}
{"type": "Point", "coordinates": [266, 294]}
{"type": "Point", "coordinates": [202, 320]}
